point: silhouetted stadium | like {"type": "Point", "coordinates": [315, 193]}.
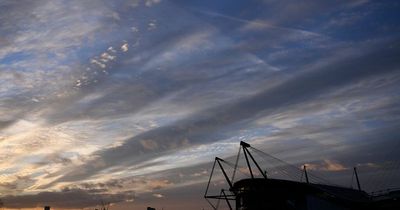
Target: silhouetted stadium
{"type": "Point", "coordinates": [280, 194]}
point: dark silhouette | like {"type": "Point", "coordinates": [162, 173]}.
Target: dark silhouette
{"type": "Point", "coordinates": [279, 194]}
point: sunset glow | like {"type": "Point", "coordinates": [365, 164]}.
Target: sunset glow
{"type": "Point", "coordinates": [129, 101]}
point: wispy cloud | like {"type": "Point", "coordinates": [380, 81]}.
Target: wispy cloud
{"type": "Point", "coordinates": [194, 130]}
{"type": "Point", "coordinates": [327, 165]}
{"type": "Point", "coordinates": [130, 100]}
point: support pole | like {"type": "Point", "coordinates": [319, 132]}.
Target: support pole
{"type": "Point", "coordinates": [255, 162]}
{"type": "Point", "coordinates": [223, 171]}
{"type": "Point", "coordinates": [305, 173]}
{"type": "Point", "coordinates": [209, 180]}
{"type": "Point", "coordinates": [358, 181]}
{"type": "Point", "coordinates": [246, 151]}
{"type": "Point", "coordinates": [247, 161]}
{"type": "Point", "coordinates": [226, 199]}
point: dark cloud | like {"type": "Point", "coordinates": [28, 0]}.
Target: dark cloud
{"type": "Point", "coordinates": [68, 198]}
{"type": "Point", "coordinates": [16, 183]}
{"type": "Point", "coordinates": [369, 146]}
{"type": "Point", "coordinates": [202, 127]}
{"type": "Point", "coordinates": [6, 123]}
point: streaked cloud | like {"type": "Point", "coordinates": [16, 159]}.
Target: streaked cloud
{"type": "Point", "coordinates": [327, 165]}
{"type": "Point", "coordinates": [129, 101]}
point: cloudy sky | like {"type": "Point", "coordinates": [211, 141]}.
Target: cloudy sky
{"type": "Point", "coordinates": [129, 101]}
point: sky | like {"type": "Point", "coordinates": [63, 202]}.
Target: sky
{"type": "Point", "coordinates": [129, 101]}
